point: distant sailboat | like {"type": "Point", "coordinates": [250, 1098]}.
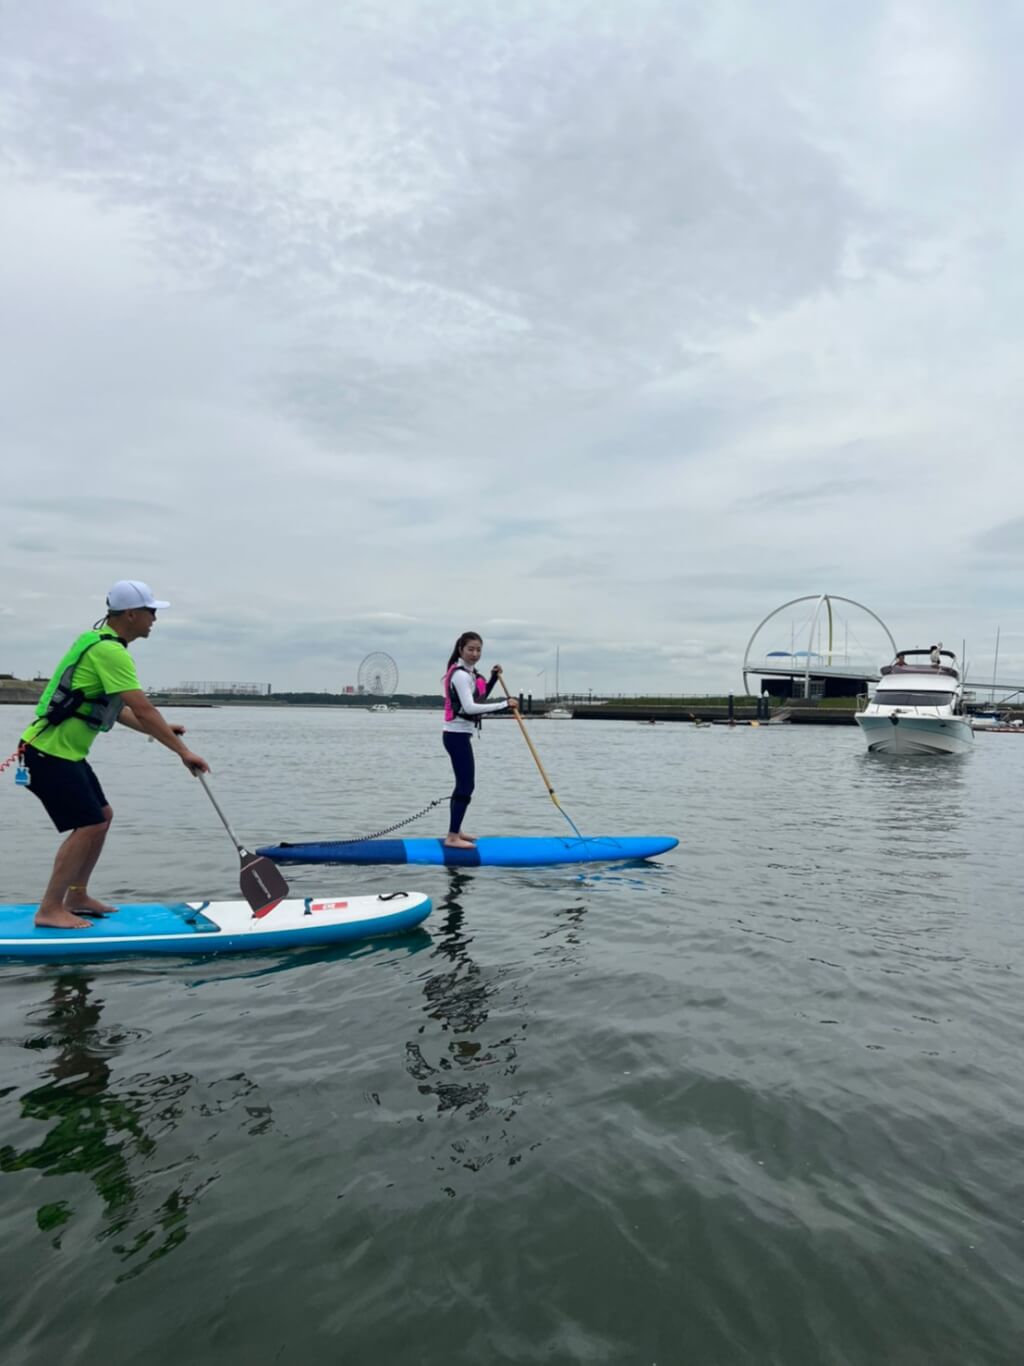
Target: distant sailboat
{"type": "Point", "coordinates": [557, 713]}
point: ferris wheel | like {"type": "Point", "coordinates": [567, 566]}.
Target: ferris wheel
{"type": "Point", "coordinates": [378, 674]}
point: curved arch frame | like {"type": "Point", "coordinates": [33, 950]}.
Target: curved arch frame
{"type": "Point", "coordinates": [823, 600]}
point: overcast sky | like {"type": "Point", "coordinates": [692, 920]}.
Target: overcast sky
{"type": "Point", "coordinates": [602, 325]}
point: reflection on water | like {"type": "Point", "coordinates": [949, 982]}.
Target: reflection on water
{"type": "Point", "coordinates": [110, 1130]}
{"type": "Point", "coordinates": [916, 800]}
{"type": "Point", "coordinates": [91, 1130]}
{"type": "Point", "coordinates": [458, 1068]}
{"type": "Point", "coordinates": [458, 997]}
{"type": "Point", "coordinates": [251, 967]}
{"type": "Point", "coordinates": [776, 1078]}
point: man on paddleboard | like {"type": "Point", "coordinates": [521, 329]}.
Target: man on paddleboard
{"type": "Point", "coordinates": [94, 685]}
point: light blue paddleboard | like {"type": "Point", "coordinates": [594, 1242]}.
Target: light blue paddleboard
{"type": "Point", "coordinates": [208, 927]}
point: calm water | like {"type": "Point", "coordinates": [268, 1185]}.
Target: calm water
{"type": "Point", "coordinates": [757, 1103]}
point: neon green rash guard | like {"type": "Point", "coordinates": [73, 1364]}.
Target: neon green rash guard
{"type": "Point", "coordinates": [103, 670]}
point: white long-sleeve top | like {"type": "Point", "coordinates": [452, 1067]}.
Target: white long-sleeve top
{"type": "Point", "coordinates": [462, 682]}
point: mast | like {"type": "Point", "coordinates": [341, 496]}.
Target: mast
{"type": "Point", "coordinates": [995, 665]}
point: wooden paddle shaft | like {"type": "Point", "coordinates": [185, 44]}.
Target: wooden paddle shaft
{"type": "Point", "coordinates": [526, 737]}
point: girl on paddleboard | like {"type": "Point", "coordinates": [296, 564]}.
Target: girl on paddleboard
{"type": "Point", "coordinates": [465, 701]}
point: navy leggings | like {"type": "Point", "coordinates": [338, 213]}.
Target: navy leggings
{"type": "Point", "coordinates": [460, 751]}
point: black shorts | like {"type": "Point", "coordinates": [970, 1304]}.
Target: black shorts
{"type": "Point", "coordinates": [68, 789]}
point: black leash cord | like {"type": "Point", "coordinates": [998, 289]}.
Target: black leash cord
{"type": "Point", "coordinates": [359, 839]}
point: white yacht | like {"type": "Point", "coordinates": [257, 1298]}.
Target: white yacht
{"type": "Point", "coordinates": [558, 714]}
{"type": "Point", "coordinates": [918, 707]}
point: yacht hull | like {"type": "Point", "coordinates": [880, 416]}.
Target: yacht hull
{"type": "Point", "coordinates": [916, 734]}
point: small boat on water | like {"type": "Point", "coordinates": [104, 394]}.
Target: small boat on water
{"type": "Point", "coordinates": [918, 707]}
{"type": "Point", "coordinates": [986, 720]}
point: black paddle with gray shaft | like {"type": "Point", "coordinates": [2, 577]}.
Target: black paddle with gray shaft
{"type": "Point", "coordinates": [260, 881]}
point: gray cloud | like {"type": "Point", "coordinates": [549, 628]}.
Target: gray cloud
{"type": "Point", "coordinates": [1005, 539]}
{"type": "Point", "coordinates": [624, 325]}
{"type": "Point", "coordinates": [816, 491]}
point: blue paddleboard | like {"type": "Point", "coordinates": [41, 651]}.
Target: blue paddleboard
{"type": "Point", "coordinates": [209, 927]}
{"type": "Point", "coordinates": [512, 852]}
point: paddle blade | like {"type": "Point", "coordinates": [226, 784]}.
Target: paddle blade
{"type": "Point", "coordinates": [261, 882]}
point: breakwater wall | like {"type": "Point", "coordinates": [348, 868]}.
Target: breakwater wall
{"type": "Point", "coordinates": [21, 691]}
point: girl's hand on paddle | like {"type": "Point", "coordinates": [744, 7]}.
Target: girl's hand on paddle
{"type": "Point", "coordinates": [513, 704]}
{"type": "Point", "coordinates": [495, 670]}
{"type": "Point", "coordinates": [194, 763]}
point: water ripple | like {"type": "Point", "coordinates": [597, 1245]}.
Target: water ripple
{"type": "Point", "coordinates": [756, 1102]}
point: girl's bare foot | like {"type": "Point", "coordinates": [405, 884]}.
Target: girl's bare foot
{"type": "Point", "coordinates": [458, 842]}
{"type": "Point", "coordinates": [87, 905]}
{"type": "Point", "coordinates": [61, 919]}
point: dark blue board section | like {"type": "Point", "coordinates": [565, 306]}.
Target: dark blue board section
{"type": "Point", "coordinates": [141, 929]}
{"type": "Point", "coordinates": [496, 852]}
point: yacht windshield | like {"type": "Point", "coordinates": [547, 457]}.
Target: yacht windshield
{"type": "Point", "coordinates": [890, 697]}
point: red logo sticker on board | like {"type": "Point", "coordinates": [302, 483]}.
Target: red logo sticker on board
{"type": "Point", "coordinates": [329, 906]}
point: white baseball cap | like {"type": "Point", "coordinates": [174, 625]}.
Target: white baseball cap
{"type": "Point", "coordinates": [129, 593]}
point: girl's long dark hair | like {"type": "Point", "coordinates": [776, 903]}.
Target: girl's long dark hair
{"type": "Point", "coordinates": [460, 644]}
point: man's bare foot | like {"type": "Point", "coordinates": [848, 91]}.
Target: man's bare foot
{"type": "Point", "coordinates": [472, 838]}
{"type": "Point", "coordinates": [88, 905]}
{"type": "Point", "coordinates": [61, 919]}
{"type": "Point", "coordinates": [458, 842]}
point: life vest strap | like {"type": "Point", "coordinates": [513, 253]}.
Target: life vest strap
{"type": "Point", "coordinates": [65, 700]}
{"type": "Point", "coordinates": [454, 710]}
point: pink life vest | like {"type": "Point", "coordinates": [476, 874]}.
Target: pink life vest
{"type": "Point", "coordinates": [452, 707]}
